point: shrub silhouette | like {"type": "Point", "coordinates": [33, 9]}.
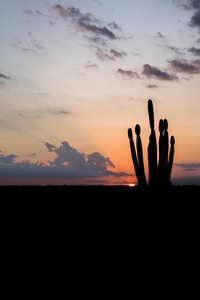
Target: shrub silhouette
{"type": "Point", "coordinates": [159, 173]}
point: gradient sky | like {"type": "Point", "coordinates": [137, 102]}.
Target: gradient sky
{"type": "Point", "coordinates": [75, 75]}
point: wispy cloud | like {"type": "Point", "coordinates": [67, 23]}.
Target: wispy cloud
{"type": "Point", "coordinates": [90, 65]}
{"type": "Point", "coordinates": [29, 44]}
{"type": "Point", "coordinates": [33, 13]}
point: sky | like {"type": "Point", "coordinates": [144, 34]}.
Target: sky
{"type": "Point", "coordinates": [75, 75]}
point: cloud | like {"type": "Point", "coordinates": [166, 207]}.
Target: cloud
{"type": "Point", "coordinates": [83, 21]}
{"type": "Point", "coordinates": [32, 13]}
{"type": "Point", "coordinates": [187, 4]}
{"type": "Point", "coordinates": [64, 112]}
{"type": "Point", "coordinates": [157, 73]}
{"type": "Point", "coordinates": [195, 20]}
{"type": "Point", "coordinates": [114, 26]}
{"type": "Point", "coordinates": [4, 76]}
{"type": "Point", "coordinates": [189, 166]}
{"type": "Point", "coordinates": [104, 54]}
{"type": "Point", "coordinates": [152, 86]}
{"type": "Point", "coordinates": [90, 65]}
{"type": "Point", "coordinates": [70, 12]}
{"type": "Point", "coordinates": [174, 49]}
{"type": "Point", "coordinates": [95, 29]}
{"type": "Point", "coordinates": [128, 74]}
{"type": "Point", "coordinates": [195, 51]}
{"type": "Point", "coordinates": [30, 44]}
{"type": "Point", "coordinates": [68, 164]}
{"type": "Point", "coordinates": [191, 5]}
{"type": "Point", "coordinates": [7, 160]}
{"type": "Point", "coordinates": [118, 54]}
{"type": "Point", "coordinates": [159, 35]}
{"type": "Point", "coordinates": [187, 180]}
{"type": "Point", "coordinates": [185, 67]}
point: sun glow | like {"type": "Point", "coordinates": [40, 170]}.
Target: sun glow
{"type": "Point", "coordinates": [131, 184]}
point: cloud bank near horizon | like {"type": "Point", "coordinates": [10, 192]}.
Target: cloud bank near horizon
{"type": "Point", "coordinates": [68, 164]}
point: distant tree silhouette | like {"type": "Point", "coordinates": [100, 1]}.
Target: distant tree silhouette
{"type": "Point", "coordinates": [159, 173]}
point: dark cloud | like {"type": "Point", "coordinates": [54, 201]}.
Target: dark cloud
{"type": "Point", "coordinates": [83, 21]}
{"type": "Point", "coordinates": [185, 67]}
{"type": "Point", "coordinates": [195, 51]}
{"type": "Point", "coordinates": [157, 73]}
{"type": "Point", "coordinates": [69, 164]}
{"type": "Point", "coordinates": [95, 29]}
{"type": "Point", "coordinates": [195, 20]}
{"type": "Point", "coordinates": [191, 5]}
{"type": "Point", "coordinates": [4, 76]}
{"type": "Point", "coordinates": [128, 74]}
{"type": "Point", "coordinates": [7, 160]}
{"type": "Point", "coordinates": [195, 3]}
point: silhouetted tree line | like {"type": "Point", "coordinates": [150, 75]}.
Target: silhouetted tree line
{"type": "Point", "coordinates": [159, 172]}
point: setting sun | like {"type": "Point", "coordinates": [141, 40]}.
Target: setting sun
{"type": "Point", "coordinates": [131, 184]}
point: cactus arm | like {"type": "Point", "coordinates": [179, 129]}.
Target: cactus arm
{"type": "Point", "coordinates": [133, 154]}
{"type": "Point", "coordinates": [152, 148]}
{"type": "Point", "coordinates": [171, 156]}
{"type": "Point", "coordinates": [140, 156]}
{"type": "Point", "coordinates": [151, 114]}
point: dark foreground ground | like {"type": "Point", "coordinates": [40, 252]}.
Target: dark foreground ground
{"type": "Point", "coordinates": [105, 192]}
{"type": "Point", "coordinates": [102, 221]}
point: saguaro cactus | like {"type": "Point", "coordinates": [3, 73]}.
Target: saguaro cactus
{"type": "Point", "coordinates": [159, 173]}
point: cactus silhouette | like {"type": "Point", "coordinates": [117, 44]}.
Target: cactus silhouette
{"type": "Point", "coordinates": [137, 159]}
{"type": "Point", "coordinates": [159, 173]}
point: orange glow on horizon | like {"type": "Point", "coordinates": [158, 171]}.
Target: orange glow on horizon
{"type": "Point", "coordinates": [131, 184]}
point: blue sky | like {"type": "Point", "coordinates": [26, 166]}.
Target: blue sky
{"type": "Point", "coordinates": [81, 72]}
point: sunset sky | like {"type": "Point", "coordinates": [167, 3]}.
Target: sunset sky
{"type": "Point", "coordinates": [75, 75]}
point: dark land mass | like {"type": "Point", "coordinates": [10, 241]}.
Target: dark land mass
{"type": "Point", "coordinates": [91, 217]}
{"type": "Point", "coordinates": [107, 192]}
